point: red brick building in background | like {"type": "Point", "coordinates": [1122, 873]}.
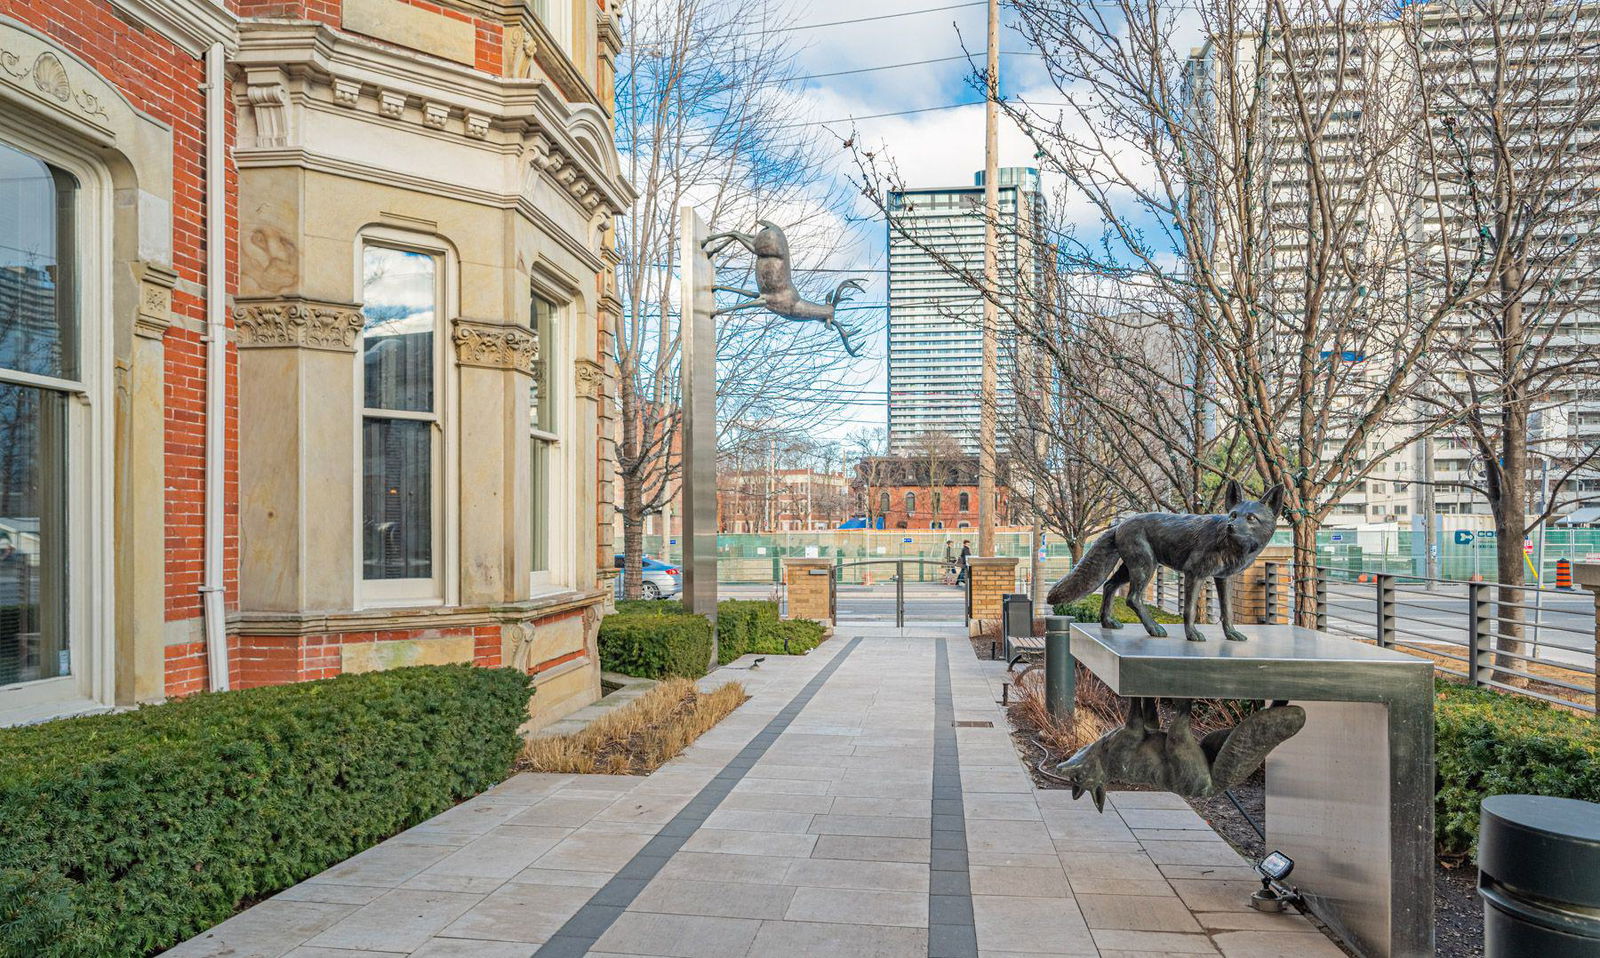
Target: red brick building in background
{"type": "Point", "coordinates": [916, 492]}
{"type": "Point", "coordinates": [274, 308]}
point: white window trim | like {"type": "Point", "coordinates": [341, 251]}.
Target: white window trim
{"type": "Point", "coordinates": [561, 524]}
{"type": "Point", "coordinates": [444, 587]}
{"type": "Point", "coordinates": [90, 542]}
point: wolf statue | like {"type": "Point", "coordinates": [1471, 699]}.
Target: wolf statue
{"type": "Point", "coordinates": [1201, 547]}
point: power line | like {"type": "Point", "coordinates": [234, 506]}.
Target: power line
{"type": "Point", "coordinates": [897, 66]}
{"type": "Point", "coordinates": [926, 109]}
{"type": "Point", "coordinates": [881, 16]}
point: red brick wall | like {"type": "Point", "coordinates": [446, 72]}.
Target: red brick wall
{"type": "Point", "coordinates": [280, 659]}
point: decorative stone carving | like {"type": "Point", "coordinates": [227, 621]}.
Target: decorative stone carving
{"type": "Point", "coordinates": [269, 101]}
{"type": "Point", "coordinates": [589, 377]}
{"type": "Point", "coordinates": [298, 323]}
{"type": "Point", "coordinates": [495, 347]}
{"type": "Point", "coordinates": [51, 78]}
{"type": "Point", "coordinates": [434, 115]}
{"type": "Point", "coordinates": [391, 104]}
{"type": "Point", "coordinates": [155, 302]}
{"type": "Point", "coordinates": [477, 125]}
{"type": "Point", "coordinates": [346, 92]}
{"type": "Point", "coordinates": [523, 50]}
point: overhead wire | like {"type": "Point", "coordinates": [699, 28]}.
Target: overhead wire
{"type": "Point", "coordinates": [881, 16]}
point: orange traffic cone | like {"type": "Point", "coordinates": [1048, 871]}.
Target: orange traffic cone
{"type": "Point", "coordinates": [1563, 573]}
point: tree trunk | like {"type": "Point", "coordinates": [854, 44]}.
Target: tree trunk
{"type": "Point", "coordinates": [1305, 573]}
{"type": "Point", "coordinates": [1510, 520]}
{"type": "Point", "coordinates": [633, 537]}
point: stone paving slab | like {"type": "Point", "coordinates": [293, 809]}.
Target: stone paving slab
{"type": "Point", "coordinates": [840, 811]}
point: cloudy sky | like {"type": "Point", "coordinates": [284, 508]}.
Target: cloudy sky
{"type": "Point", "coordinates": [937, 147]}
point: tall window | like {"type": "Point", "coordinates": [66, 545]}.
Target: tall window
{"type": "Point", "coordinates": [965, 502]}
{"type": "Point", "coordinates": [39, 374]}
{"type": "Point", "coordinates": [401, 425]}
{"type": "Point", "coordinates": [911, 504]}
{"type": "Point", "coordinates": [883, 503]}
{"type": "Point", "coordinates": [542, 431]}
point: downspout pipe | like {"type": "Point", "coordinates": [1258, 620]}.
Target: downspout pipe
{"type": "Point", "coordinates": [212, 593]}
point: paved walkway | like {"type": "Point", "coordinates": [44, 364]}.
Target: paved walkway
{"type": "Point", "coordinates": [866, 801]}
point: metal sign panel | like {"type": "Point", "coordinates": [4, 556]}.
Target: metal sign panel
{"type": "Point", "coordinates": [697, 381]}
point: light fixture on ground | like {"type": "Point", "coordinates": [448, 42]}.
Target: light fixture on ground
{"type": "Point", "coordinates": [1272, 894]}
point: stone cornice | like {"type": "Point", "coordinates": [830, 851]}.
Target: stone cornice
{"type": "Point", "coordinates": [429, 617]}
{"type": "Point", "coordinates": [292, 322]}
{"type": "Point", "coordinates": [493, 346]}
{"type": "Point", "coordinates": [342, 71]}
{"type": "Point", "coordinates": [193, 25]}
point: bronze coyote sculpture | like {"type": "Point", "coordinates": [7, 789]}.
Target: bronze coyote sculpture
{"type": "Point", "coordinates": [1201, 547]}
{"type": "Point", "coordinates": [1173, 760]}
{"type": "Point", "coordinates": [775, 287]}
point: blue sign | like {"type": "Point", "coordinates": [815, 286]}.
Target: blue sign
{"type": "Point", "coordinates": [1337, 537]}
{"type": "Point", "coordinates": [907, 539]}
{"type": "Point", "coordinates": [1463, 537]}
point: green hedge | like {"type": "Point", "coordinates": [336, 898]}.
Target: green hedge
{"type": "Point", "coordinates": [654, 646]}
{"type": "Point", "coordinates": [651, 606]}
{"type": "Point", "coordinates": [124, 834]}
{"type": "Point", "coordinates": [1490, 743]}
{"type": "Point", "coordinates": [1087, 609]}
{"type": "Point", "coordinates": [746, 627]}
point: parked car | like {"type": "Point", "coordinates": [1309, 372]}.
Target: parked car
{"type": "Point", "coordinates": [662, 580]}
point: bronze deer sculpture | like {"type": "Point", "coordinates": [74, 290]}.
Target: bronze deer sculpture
{"type": "Point", "coordinates": [775, 289]}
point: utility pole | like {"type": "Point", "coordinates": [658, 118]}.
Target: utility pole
{"type": "Point", "coordinates": [991, 281]}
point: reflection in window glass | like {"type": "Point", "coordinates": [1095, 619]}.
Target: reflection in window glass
{"type": "Point", "coordinates": [399, 289]}
{"type": "Point", "coordinates": [397, 499]}
{"type": "Point", "coordinates": [400, 292]}
{"type": "Point", "coordinates": [38, 335]}
{"type": "Point", "coordinates": [38, 308]}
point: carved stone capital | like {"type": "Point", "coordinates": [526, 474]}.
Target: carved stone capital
{"type": "Point", "coordinates": [155, 300]}
{"type": "Point", "coordinates": [590, 378]}
{"type": "Point", "coordinates": [491, 346]}
{"type": "Point", "coordinates": [296, 322]}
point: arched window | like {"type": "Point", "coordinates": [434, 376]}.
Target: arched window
{"type": "Point", "coordinates": [883, 503]}
{"type": "Point", "coordinates": [938, 502]}
{"type": "Point", "coordinates": [965, 502]}
{"type": "Point", "coordinates": [911, 503]}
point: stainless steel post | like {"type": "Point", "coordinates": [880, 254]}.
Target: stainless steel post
{"type": "Point", "coordinates": [1386, 610]}
{"type": "Point", "coordinates": [698, 385]}
{"type": "Point", "coordinates": [1060, 671]}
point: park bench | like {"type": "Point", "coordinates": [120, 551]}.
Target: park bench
{"type": "Point", "coordinates": [1017, 647]}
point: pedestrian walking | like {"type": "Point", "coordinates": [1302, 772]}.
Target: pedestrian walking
{"type": "Point", "coordinates": [966, 553]}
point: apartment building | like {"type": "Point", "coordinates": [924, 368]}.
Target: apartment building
{"type": "Point", "coordinates": [935, 352]}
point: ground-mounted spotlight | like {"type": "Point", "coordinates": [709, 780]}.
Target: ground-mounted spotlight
{"type": "Point", "coordinates": [1272, 894]}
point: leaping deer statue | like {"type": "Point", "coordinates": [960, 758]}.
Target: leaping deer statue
{"type": "Point", "coordinates": [775, 289]}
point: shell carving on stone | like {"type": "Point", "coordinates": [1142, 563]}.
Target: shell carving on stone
{"type": "Point", "coordinates": [51, 77]}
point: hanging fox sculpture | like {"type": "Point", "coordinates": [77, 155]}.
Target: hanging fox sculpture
{"type": "Point", "coordinates": [1201, 547]}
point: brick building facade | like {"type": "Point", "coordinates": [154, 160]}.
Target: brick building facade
{"type": "Point", "coordinates": [916, 492]}
{"type": "Point", "coordinates": [304, 318]}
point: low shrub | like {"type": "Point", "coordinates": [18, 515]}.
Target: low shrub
{"type": "Point", "coordinates": [1489, 743]}
{"type": "Point", "coordinates": [655, 646]}
{"type": "Point", "coordinates": [124, 834]}
{"type": "Point", "coordinates": [1087, 609]}
{"type": "Point", "coordinates": [639, 737]}
{"type": "Point", "coordinates": [651, 607]}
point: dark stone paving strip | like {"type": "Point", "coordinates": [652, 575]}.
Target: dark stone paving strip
{"type": "Point", "coordinates": [582, 930]}
{"type": "Point", "coordinates": [951, 932]}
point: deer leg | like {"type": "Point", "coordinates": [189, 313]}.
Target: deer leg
{"type": "Point", "coordinates": [727, 239]}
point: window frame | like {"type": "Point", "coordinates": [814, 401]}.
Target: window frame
{"type": "Point", "coordinates": [89, 443]}
{"type": "Point", "coordinates": [442, 588]}
{"type": "Point", "coordinates": [555, 362]}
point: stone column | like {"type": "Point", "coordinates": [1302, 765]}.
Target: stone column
{"type": "Point", "coordinates": [297, 453]}
{"type": "Point", "coordinates": [495, 364]}
{"type": "Point", "coordinates": [991, 578]}
{"type": "Point", "coordinates": [809, 586]}
{"type": "Point", "coordinates": [1250, 588]}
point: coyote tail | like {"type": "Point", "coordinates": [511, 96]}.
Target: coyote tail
{"type": "Point", "coordinates": [1093, 569]}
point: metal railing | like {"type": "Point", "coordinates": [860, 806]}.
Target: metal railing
{"type": "Point", "coordinates": [1543, 644]}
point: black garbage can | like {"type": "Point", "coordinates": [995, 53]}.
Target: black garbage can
{"type": "Point", "coordinates": [1539, 877]}
{"type": "Point", "coordinates": [1016, 614]}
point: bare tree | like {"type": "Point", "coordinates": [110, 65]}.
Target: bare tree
{"type": "Point", "coordinates": [868, 449]}
{"type": "Point", "coordinates": [937, 458]}
{"type": "Point", "coordinates": [704, 118]}
{"type": "Point", "coordinates": [1511, 90]}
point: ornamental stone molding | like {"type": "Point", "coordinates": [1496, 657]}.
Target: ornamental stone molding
{"type": "Point", "coordinates": [154, 317]}
{"type": "Point", "coordinates": [298, 323]}
{"type": "Point", "coordinates": [590, 378]}
{"type": "Point", "coordinates": [491, 346]}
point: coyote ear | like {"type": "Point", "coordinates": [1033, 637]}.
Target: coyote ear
{"type": "Point", "coordinates": [1274, 499]}
{"type": "Point", "coordinates": [1232, 495]}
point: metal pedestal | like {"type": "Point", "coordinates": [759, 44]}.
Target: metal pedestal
{"type": "Point", "coordinates": [1350, 798]}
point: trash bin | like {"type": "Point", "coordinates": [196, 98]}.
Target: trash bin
{"type": "Point", "coordinates": [1016, 614]}
{"type": "Point", "coordinates": [1539, 877]}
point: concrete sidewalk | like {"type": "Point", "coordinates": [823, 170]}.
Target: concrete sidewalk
{"type": "Point", "coordinates": [867, 801]}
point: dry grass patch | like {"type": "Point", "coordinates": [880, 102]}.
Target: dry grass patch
{"type": "Point", "coordinates": [638, 738]}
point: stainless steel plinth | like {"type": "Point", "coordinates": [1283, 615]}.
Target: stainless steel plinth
{"type": "Point", "coordinates": [1350, 798]}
